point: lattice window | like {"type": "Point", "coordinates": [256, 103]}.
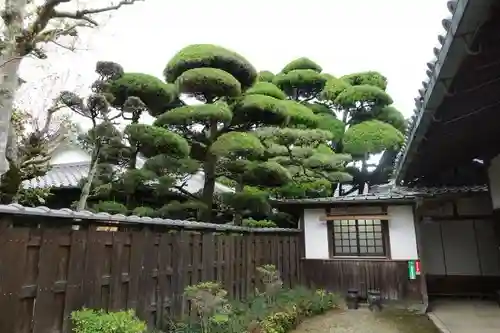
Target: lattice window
{"type": "Point", "coordinates": [359, 238]}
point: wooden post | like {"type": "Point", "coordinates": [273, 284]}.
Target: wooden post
{"type": "Point", "coordinates": [417, 218]}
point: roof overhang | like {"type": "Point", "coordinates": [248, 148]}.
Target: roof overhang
{"type": "Point", "coordinates": [452, 99]}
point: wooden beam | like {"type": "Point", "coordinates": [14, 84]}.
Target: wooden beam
{"type": "Point", "coordinates": [354, 217]}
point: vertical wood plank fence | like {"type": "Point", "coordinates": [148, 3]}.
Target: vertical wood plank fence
{"type": "Point", "coordinates": [47, 270]}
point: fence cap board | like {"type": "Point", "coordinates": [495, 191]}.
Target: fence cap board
{"type": "Point", "coordinates": [42, 211]}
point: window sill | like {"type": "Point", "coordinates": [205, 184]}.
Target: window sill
{"type": "Point", "coordinates": [360, 258]}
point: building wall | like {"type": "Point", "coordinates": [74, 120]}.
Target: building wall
{"type": "Point", "coordinates": [458, 238]}
{"type": "Point", "coordinates": [402, 237]}
{"type": "Point", "coordinates": [494, 178]}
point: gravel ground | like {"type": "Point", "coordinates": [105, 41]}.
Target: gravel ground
{"type": "Point", "coordinates": [364, 321]}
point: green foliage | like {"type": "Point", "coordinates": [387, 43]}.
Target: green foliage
{"type": "Point", "coordinates": [135, 179]}
{"type": "Point", "coordinates": [267, 89]}
{"type": "Point", "coordinates": [301, 63]}
{"type": "Point", "coordinates": [372, 137]}
{"type": "Point", "coordinates": [274, 310]}
{"type": "Point", "coordinates": [392, 116]}
{"type": "Point", "coordinates": [33, 197]}
{"type": "Point", "coordinates": [180, 210]}
{"type": "Point", "coordinates": [153, 92]}
{"type": "Point", "coordinates": [299, 114]}
{"type": "Point", "coordinates": [320, 109]}
{"type": "Point", "coordinates": [248, 200]}
{"type": "Point", "coordinates": [209, 82]}
{"type": "Point", "coordinates": [305, 187]}
{"type": "Point", "coordinates": [269, 173]}
{"type": "Point", "coordinates": [251, 223]}
{"type": "Point", "coordinates": [144, 211]}
{"type": "Point", "coordinates": [111, 207]}
{"type": "Point", "coordinates": [370, 78]}
{"type": "Point", "coordinates": [329, 123]}
{"type": "Point", "coordinates": [300, 82]}
{"type": "Point", "coordinates": [209, 301]}
{"type": "Point", "coordinates": [265, 76]}
{"type": "Point", "coordinates": [259, 109]}
{"type": "Point", "coordinates": [333, 88]}
{"type": "Point", "coordinates": [240, 144]}
{"type": "Point", "coordinates": [195, 114]}
{"type": "Point", "coordinates": [212, 56]}
{"type": "Point", "coordinates": [363, 96]}
{"type": "Point", "coordinates": [92, 321]}
{"type": "Point", "coordinates": [156, 140]}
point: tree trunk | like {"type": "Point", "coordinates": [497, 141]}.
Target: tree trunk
{"type": "Point", "coordinates": [208, 187]}
{"type": "Point", "coordinates": [10, 61]}
{"type": "Point", "coordinates": [238, 217]}
{"type": "Point", "coordinates": [82, 203]}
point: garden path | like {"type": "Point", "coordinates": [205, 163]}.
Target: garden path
{"type": "Point", "coordinates": [364, 321]}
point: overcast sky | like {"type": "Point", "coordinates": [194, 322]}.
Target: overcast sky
{"type": "Point", "coordinates": [394, 37]}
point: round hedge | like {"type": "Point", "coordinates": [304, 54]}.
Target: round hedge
{"type": "Point", "coordinates": [301, 63]}
{"type": "Point", "coordinates": [260, 109]}
{"type": "Point", "coordinates": [210, 82]}
{"type": "Point", "coordinates": [269, 173]}
{"type": "Point", "coordinates": [265, 76]}
{"type": "Point", "coordinates": [237, 144]}
{"type": "Point", "coordinates": [152, 91]}
{"type": "Point", "coordinates": [392, 116]}
{"type": "Point", "coordinates": [370, 78]}
{"type": "Point", "coordinates": [307, 80]}
{"type": "Point", "coordinates": [266, 88]}
{"type": "Point", "coordinates": [208, 55]}
{"type": "Point", "coordinates": [371, 137]}
{"type": "Point", "coordinates": [191, 114]}
{"type": "Point", "coordinates": [363, 94]}
{"type": "Point", "coordinates": [300, 114]}
{"type": "Point", "coordinates": [155, 140]}
{"type": "Point", "coordinates": [333, 88]}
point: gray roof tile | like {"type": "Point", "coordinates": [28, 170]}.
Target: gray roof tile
{"type": "Point", "coordinates": [391, 193]}
{"type": "Point", "coordinates": [66, 175]}
{"type": "Point", "coordinates": [16, 209]}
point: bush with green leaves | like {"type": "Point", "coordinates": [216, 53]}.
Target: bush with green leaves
{"type": "Point", "coordinates": [274, 310]}
{"type": "Point", "coordinates": [251, 223]}
{"type": "Point", "coordinates": [99, 321]}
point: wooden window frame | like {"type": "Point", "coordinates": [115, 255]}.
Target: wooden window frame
{"type": "Point", "coordinates": [385, 238]}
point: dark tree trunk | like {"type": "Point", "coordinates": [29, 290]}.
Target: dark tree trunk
{"type": "Point", "coordinates": [208, 187]}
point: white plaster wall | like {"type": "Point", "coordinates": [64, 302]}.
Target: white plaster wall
{"type": "Point", "coordinates": [315, 234]}
{"type": "Point", "coordinates": [402, 233]}
{"type": "Point", "coordinates": [494, 178]}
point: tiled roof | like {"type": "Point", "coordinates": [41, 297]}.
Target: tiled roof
{"type": "Point", "coordinates": [16, 209]}
{"type": "Point", "coordinates": [362, 198]}
{"type": "Point", "coordinates": [66, 175]}
{"type": "Point", "coordinates": [390, 193]}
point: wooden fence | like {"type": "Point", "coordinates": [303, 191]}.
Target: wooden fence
{"type": "Point", "coordinates": [339, 275]}
{"type": "Point", "coordinates": [48, 270]}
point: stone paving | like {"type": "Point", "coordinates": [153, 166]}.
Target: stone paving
{"type": "Point", "coordinates": [364, 321]}
{"type": "Point", "coordinates": [466, 316]}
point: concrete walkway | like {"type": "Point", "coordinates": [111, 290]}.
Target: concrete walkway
{"type": "Point", "coordinates": [466, 316]}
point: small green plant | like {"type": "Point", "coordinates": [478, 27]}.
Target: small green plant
{"type": "Point", "coordinates": [209, 300]}
{"type": "Point", "coordinates": [251, 223]}
{"type": "Point", "coordinates": [99, 321]}
{"type": "Point", "coordinates": [271, 279]}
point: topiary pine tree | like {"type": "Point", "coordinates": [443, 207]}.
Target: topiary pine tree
{"type": "Point", "coordinates": [355, 109]}
{"type": "Point", "coordinates": [219, 128]}
{"type": "Point", "coordinates": [115, 173]}
{"type": "Point", "coordinates": [371, 124]}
